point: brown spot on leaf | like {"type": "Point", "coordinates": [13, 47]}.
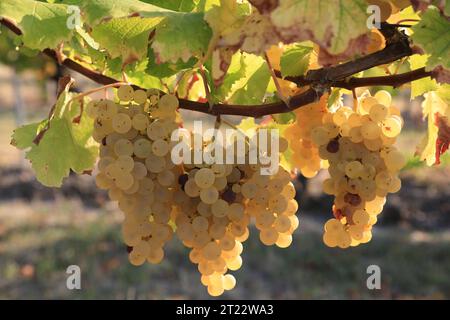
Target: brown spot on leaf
{"type": "Point", "coordinates": [355, 47]}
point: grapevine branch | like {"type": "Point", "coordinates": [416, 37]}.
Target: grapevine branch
{"type": "Point", "coordinates": [320, 80]}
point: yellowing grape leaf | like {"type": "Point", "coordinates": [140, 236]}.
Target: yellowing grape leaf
{"type": "Point", "coordinates": [332, 23]}
{"type": "Point", "coordinates": [432, 34]}
{"type": "Point", "coordinates": [419, 87]}
{"type": "Point", "coordinates": [64, 145]}
{"type": "Point", "coordinates": [407, 13]}
{"type": "Point", "coordinates": [44, 25]}
{"type": "Point", "coordinates": [227, 17]}
{"type": "Point", "coordinates": [436, 142]}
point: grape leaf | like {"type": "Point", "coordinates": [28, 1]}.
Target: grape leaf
{"type": "Point", "coordinates": [406, 13]}
{"type": "Point", "coordinates": [186, 82]}
{"type": "Point", "coordinates": [64, 146]}
{"type": "Point", "coordinates": [253, 34]}
{"type": "Point", "coordinates": [167, 69]}
{"type": "Point", "coordinates": [95, 10]}
{"type": "Point", "coordinates": [419, 87]}
{"type": "Point", "coordinates": [178, 36]}
{"type": "Point", "coordinates": [236, 72]}
{"type": "Point", "coordinates": [176, 5]}
{"type": "Point", "coordinates": [432, 34]}
{"type": "Point", "coordinates": [227, 17]}
{"type": "Point", "coordinates": [125, 37]}
{"type": "Point", "coordinates": [295, 60]}
{"type": "Point", "coordinates": [251, 89]}
{"type": "Point", "coordinates": [44, 25]}
{"type": "Point", "coordinates": [332, 24]}
{"type": "Point", "coordinates": [136, 73]}
{"type": "Point", "coordinates": [181, 36]}
{"type": "Point", "coordinates": [23, 136]}
{"type": "Point", "coordinates": [436, 141]}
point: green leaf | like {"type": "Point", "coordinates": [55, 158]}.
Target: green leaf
{"type": "Point", "coordinates": [251, 89]}
{"type": "Point", "coordinates": [87, 38]}
{"type": "Point", "coordinates": [432, 34]}
{"type": "Point", "coordinates": [125, 37]}
{"type": "Point", "coordinates": [236, 72]}
{"type": "Point", "coordinates": [176, 5]}
{"type": "Point", "coordinates": [181, 36]}
{"type": "Point", "coordinates": [331, 23]}
{"type": "Point", "coordinates": [64, 146]}
{"type": "Point", "coordinates": [23, 136]}
{"type": "Point", "coordinates": [295, 60]}
{"type": "Point", "coordinates": [419, 87]}
{"type": "Point", "coordinates": [178, 36]}
{"type": "Point", "coordinates": [44, 25]}
{"type": "Point", "coordinates": [167, 69]}
{"type": "Point", "coordinates": [95, 10]}
{"type": "Point", "coordinates": [136, 73]}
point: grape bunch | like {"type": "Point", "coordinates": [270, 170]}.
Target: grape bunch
{"type": "Point", "coordinates": [214, 211]}
{"type": "Point", "coordinates": [136, 168]}
{"type": "Point", "coordinates": [363, 166]}
{"type": "Point", "coordinates": [209, 207]}
{"type": "Point", "coordinates": [305, 154]}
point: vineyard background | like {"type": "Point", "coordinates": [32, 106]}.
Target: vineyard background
{"type": "Point", "coordinates": [43, 230]}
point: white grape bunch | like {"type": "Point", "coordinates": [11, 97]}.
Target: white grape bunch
{"type": "Point", "coordinates": [135, 166]}
{"type": "Point", "coordinates": [363, 166]}
{"type": "Point", "coordinates": [215, 209]}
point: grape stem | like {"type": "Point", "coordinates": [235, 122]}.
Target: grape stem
{"type": "Point", "coordinates": [319, 80]}
{"type": "Point", "coordinates": [275, 80]}
{"type": "Point", "coordinates": [89, 92]}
